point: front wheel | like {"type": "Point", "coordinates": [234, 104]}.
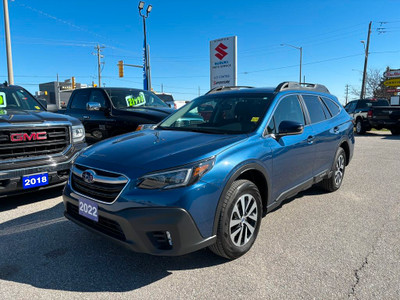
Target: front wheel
{"type": "Point", "coordinates": [360, 129]}
{"type": "Point", "coordinates": [239, 220]}
{"type": "Point", "coordinates": [334, 182]}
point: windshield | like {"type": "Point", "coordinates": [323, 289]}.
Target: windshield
{"type": "Point", "coordinates": [132, 98]}
{"type": "Point", "coordinates": [14, 98]}
{"type": "Point", "coordinates": [226, 114]}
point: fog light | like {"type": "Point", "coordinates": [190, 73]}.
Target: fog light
{"type": "Point", "coordinates": [169, 238]}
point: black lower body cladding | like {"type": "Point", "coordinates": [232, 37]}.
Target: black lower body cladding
{"type": "Point", "coordinates": [156, 231]}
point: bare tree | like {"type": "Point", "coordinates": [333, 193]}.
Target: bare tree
{"type": "Point", "coordinates": [373, 85]}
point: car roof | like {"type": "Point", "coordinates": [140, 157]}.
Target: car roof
{"type": "Point", "coordinates": [282, 87]}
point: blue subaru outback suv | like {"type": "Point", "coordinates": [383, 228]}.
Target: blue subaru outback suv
{"type": "Point", "coordinates": [191, 183]}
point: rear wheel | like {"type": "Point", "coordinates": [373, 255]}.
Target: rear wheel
{"type": "Point", "coordinates": [239, 220]}
{"type": "Point", "coordinates": [360, 129]}
{"type": "Point", "coordinates": [335, 181]}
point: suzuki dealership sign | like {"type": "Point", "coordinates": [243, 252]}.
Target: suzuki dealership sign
{"type": "Point", "coordinates": [223, 61]}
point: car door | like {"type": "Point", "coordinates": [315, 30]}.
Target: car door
{"type": "Point", "coordinates": [98, 123]}
{"type": "Point", "coordinates": [292, 155]}
{"type": "Point", "coordinates": [327, 133]}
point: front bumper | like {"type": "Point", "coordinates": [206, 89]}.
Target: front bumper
{"type": "Point", "coordinates": [168, 231]}
{"type": "Point", "coordinates": [58, 172]}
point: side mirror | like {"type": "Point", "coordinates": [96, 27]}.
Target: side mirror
{"type": "Point", "coordinates": [93, 106]}
{"type": "Point", "coordinates": [290, 128]}
{"type": "Point", "coordinates": [43, 102]}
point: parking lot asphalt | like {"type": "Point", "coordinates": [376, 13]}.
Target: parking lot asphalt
{"type": "Point", "coordinates": [342, 245]}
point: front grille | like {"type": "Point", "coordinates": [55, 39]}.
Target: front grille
{"type": "Point", "coordinates": [104, 225]}
{"type": "Point", "coordinates": [106, 190]}
{"type": "Point", "coordinates": [56, 142]}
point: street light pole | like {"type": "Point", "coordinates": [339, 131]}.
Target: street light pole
{"type": "Point", "coordinates": [301, 56]}
{"type": "Point", "coordinates": [146, 64]}
{"type": "Point", "coordinates": [8, 43]}
{"type": "Point", "coordinates": [363, 86]}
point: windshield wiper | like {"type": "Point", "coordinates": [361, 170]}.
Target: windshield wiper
{"type": "Point", "coordinates": [191, 129]}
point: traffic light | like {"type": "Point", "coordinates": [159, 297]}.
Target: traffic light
{"type": "Point", "coordinates": [121, 68]}
{"type": "Point", "coordinates": [73, 82]}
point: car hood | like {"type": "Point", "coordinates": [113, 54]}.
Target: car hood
{"type": "Point", "coordinates": [135, 154]}
{"type": "Point", "coordinates": [157, 113]}
{"type": "Point", "coordinates": [33, 117]}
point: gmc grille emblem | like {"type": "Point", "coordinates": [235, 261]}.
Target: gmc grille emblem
{"type": "Point", "coordinates": [34, 136]}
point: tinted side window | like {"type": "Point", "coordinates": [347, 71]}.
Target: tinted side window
{"type": "Point", "coordinates": [80, 99]}
{"type": "Point", "coordinates": [350, 107]}
{"type": "Point", "coordinates": [314, 107]}
{"type": "Point", "coordinates": [288, 109]}
{"type": "Point", "coordinates": [98, 96]}
{"type": "Point", "coordinates": [332, 106]}
{"type": "Point", "coordinates": [327, 113]}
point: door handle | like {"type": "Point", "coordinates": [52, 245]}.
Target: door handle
{"type": "Point", "coordinates": [86, 117]}
{"type": "Point", "coordinates": [310, 139]}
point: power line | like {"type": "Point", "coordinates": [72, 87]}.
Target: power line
{"type": "Point", "coordinates": [310, 63]}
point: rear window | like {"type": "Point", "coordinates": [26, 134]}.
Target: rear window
{"type": "Point", "coordinates": [369, 103]}
{"type": "Point", "coordinates": [314, 107]}
{"type": "Point", "coordinates": [165, 97]}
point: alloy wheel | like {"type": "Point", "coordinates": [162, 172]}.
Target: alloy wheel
{"type": "Point", "coordinates": [339, 171]}
{"type": "Point", "coordinates": [243, 220]}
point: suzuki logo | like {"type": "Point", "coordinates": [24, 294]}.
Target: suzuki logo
{"type": "Point", "coordinates": [34, 136]}
{"type": "Point", "coordinates": [221, 53]}
{"type": "Point", "coordinates": [88, 176]}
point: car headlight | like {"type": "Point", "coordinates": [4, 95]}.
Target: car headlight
{"type": "Point", "coordinates": [178, 177]}
{"type": "Point", "coordinates": [78, 133]}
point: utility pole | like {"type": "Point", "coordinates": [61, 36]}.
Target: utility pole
{"type": "Point", "coordinates": [8, 43]}
{"type": "Point", "coordinates": [99, 56]}
{"type": "Point", "coordinates": [347, 93]}
{"type": "Point", "coordinates": [365, 63]}
{"type": "Point", "coordinates": [199, 90]}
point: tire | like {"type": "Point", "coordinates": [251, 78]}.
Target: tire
{"type": "Point", "coordinates": [335, 181]}
{"type": "Point", "coordinates": [360, 129]}
{"type": "Point", "coordinates": [236, 230]}
{"type": "Point", "coordinates": [395, 131]}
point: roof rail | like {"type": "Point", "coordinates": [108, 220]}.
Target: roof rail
{"type": "Point", "coordinates": [227, 88]}
{"type": "Point", "coordinates": [291, 85]}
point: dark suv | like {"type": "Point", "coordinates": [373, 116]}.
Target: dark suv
{"type": "Point", "coordinates": [36, 146]}
{"type": "Point", "coordinates": [183, 186]}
